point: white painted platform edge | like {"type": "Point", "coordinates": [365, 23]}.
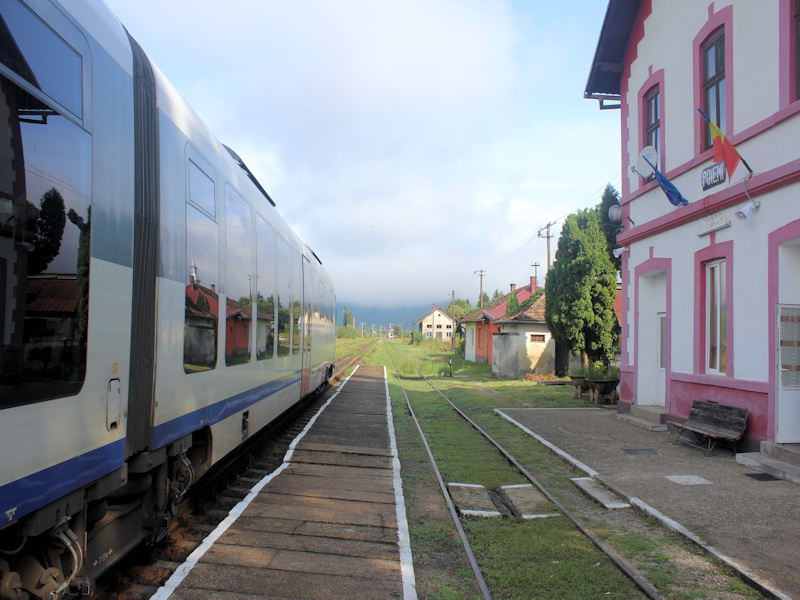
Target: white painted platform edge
{"type": "Point", "coordinates": [570, 459]}
{"type": "Point", "coordinates": [678, 528]}
{"type": "Point", "coordinates": [641, 505]}
{"type": "Point", "coordinates": [404, 539]}
{"type": "Point", "coordinates": [170, 585]}
{"type": "Point", "coordinates": [542, 516]}
{"type": "Point", "coordinates": [469, 485]}
{"type": "Point", "coordinates": [479, 513]}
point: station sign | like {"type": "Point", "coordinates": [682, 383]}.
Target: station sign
{"type": "Point", "coordinates": [713, 176]}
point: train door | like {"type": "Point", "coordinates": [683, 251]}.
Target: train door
{"type": "Point", "coordinates": [305, 328]}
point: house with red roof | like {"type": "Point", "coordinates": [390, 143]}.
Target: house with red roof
{"type": "Point", "coordinates": [479, 326]}
{"type": "Point", "coordinates": [523, 343]}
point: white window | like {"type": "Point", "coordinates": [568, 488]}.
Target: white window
{"type": "Point", "coordinates": [716, 318]}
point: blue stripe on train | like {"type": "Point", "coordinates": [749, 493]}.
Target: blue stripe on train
{"type": "Point", "coordinates": [21, 497]}
{"type": "Point", "coordinates": [209, 415]}
{"type": "Point", "coordinates": [25, 495]}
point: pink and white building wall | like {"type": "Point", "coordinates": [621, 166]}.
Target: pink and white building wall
{"type": "Point", "coordinates": [711, 302]}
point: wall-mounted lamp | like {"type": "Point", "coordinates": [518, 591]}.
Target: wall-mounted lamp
{"type": "Point", "coordinates": [620, 251]}
{"type": "Point", "coordinates": [750, 207]}
{"type": "Point", "coordinates": [615, 213]}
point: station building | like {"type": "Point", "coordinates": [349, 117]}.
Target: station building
{"type": "Point", "coordinates": [711, 289]}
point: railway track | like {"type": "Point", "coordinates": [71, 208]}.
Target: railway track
{"type": "Point", "coordinates": [644, 586]}
{"type": "Point", "coordinates": [138, 575]}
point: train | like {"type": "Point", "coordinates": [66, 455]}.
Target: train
{"type": "Point", "coordinates": [157, 310]}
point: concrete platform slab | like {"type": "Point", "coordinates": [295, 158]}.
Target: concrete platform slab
{"type": "Point", "coordinates": [530, 502]}
{"type": "Point", "coordinates": [472, 500]}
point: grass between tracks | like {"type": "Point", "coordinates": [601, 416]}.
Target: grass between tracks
{"type": "Point", "coordinates": [541, 558]}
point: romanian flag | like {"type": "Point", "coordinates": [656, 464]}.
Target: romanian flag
{"type": "Point", "coordinates": [723, 148]}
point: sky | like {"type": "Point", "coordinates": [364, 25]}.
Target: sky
{"type": "Point", "coordinates": [409, 143]}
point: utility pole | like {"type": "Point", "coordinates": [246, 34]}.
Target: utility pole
{"type": "Point", "coordinates": [536, 266]}
{"type": "Point", "coordinates": [453, 332]}
{"type": "Point", "coordinates": [433, 321]}
{"type": "Point", "coordinates": [548, 236]}
{"type": "Point", "coordinates": [480, 274]}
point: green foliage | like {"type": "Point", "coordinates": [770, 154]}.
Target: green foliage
{"type": "Point", "coordinates": [610, 229]}
{"type": "Point", "coordinates": [513, 304]}
{"type": "Point", "coordinates": [463, 307]}
{"type": "Point", "coordinates": [347, 332]}
{"type": "Point", "coordinates": [48, 231]}
{"type": "Point", "coordinates": [417, 337]}
{"type": "Point", "coordinates": [202, 304]}
{"type": "Point", "coordinates": [497, 295]}
{"type": "Point", "coordinates": [533, 297]}
{"type": "Point", "coordinates": [581, 289]}
{"type": "Point", "coordinates": [347, 317]}
{"type": "Point", "coordinates": [486, 300]}
{"type": "Point", "coordinates": [398, 331]}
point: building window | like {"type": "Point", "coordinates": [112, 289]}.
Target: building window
{"type": "Point", "coordinates": [428, 325]}
{"type": "Point", "coordinates": [438, 327]}
{"type": "Point", "coordinates": [716, 318]}
{"type": "Point", "coordinates": [714, 82]}
{"type": "Point", "coordinates": [652, 107]}
{"type": "Point", "coordinates": [796, 50]}
{"type": "Point", "coordinates": [537, 337]}
{"type": "Point", "coordinates": [449, 326]}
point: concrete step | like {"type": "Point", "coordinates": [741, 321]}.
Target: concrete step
{"type": "Point", "coordinates": [654, 414]}
{"type": "Point", "coordinates": [599, 493]}
{"type": "Point", "coordinates": [772, 466]}
{"type": "Point", "coordinates": [644, 424]}
{"type": "Point", "coordinates": [788, 453]}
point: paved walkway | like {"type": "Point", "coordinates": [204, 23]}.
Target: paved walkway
{"type": "Point", "coordinates": [753, 522]}
{"type": "Point", "coordinates": [329, 524]}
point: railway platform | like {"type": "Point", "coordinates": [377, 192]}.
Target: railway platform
{"type": "Point", "coordinates": [329, 523]}
{"type": "Point", "coordinates": [747, 519]}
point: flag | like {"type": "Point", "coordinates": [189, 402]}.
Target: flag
{"type": "Point", "coordinates": [723, 148]}
{"type": "Point", "coordinates": [673, 195]}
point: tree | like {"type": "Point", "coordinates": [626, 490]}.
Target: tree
{"type": "Point", "coordinates": [347, 319]}
{"type": "Point", "coordinates": [512, 305]}
{"type": "Point", "coordinates": [497, 295]}
{"type": "Point", "coordinates": [398, 331]}
{"type": "Point", "coordinates": [463, 307]}
{"type": "Point", "coordinates": [581, 289]}
{"type": "Point", "coordinates": [610, 228]}
{"type": "Point", "coordinates": [48, 231]}
{"type": "Point", "coordinates": [486, 300]}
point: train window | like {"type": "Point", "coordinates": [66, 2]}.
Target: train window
{"type": "Point", "coordinates": [202, 300]}
{"type": "Point", "coordinates": [201, 190]}
{"type": "Point", "coordinates": [238, 269]}
{"type": "Point", "coordinates": [284, 328]}
{"type": "Point", "coordinates": [45, 190]}
{"type": "Point", "coordinates": [35, 53]}
{"type": "Point", "coordinates": [297, 296]}
{"type": "Point", "coordinates": [265, 290]}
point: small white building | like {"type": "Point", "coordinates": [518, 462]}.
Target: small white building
{"type": "Point", "coordinates": [712, 289]}
{"type": "Point", "coordinates": [436, 324]}
{"type": "Point", "coordinates": [524, 344]}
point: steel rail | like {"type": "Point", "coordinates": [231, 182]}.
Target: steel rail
{"type": "Point", "coordinates": [645, 586]}
{"type": "Point", "coordinates": [462, 534]}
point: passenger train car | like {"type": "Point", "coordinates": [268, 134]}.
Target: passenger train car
{"type": "Point", "coordinates": [156, 309]}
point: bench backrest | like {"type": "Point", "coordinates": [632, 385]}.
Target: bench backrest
{"type": "Point", "coordinates": [731, 418]}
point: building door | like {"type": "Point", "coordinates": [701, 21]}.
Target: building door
{"type": "Point", "coordinates": [787, 406]}
{"type": "Point", "coordinates": [661, 327]}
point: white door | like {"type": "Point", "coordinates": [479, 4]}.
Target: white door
{"type": "Point", "coordinates": [661, 327]}
{"type": "Point", "coordinates": [787, 408]}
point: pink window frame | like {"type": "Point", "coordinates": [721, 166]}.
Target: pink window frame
{"type": "Point", "coordinates": [655, 80]}
{"type": "Point", "coordinates": [723, 19]}
{"type": "Point", "coordinates": [787, 39]}
{"type": "Point", "coordinates": [714, 252]}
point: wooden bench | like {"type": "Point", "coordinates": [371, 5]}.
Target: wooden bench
{"type": "Point", "coordinates": [713, 421]}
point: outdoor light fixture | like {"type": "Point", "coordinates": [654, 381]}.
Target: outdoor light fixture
{"type": "Point", "coordinates": [750, 207]}
{"type": "Point", "coordinates": [620, 251]}
{"type": "Point", "coordinates": [615, 213]}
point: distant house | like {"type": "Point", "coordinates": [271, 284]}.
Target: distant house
{"type": "Point", "coordinates": [523, 343]}
{"type": "Point", "coordinates": [436, 324]}
{"type": "Point", "coordinates": [480, 325]}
